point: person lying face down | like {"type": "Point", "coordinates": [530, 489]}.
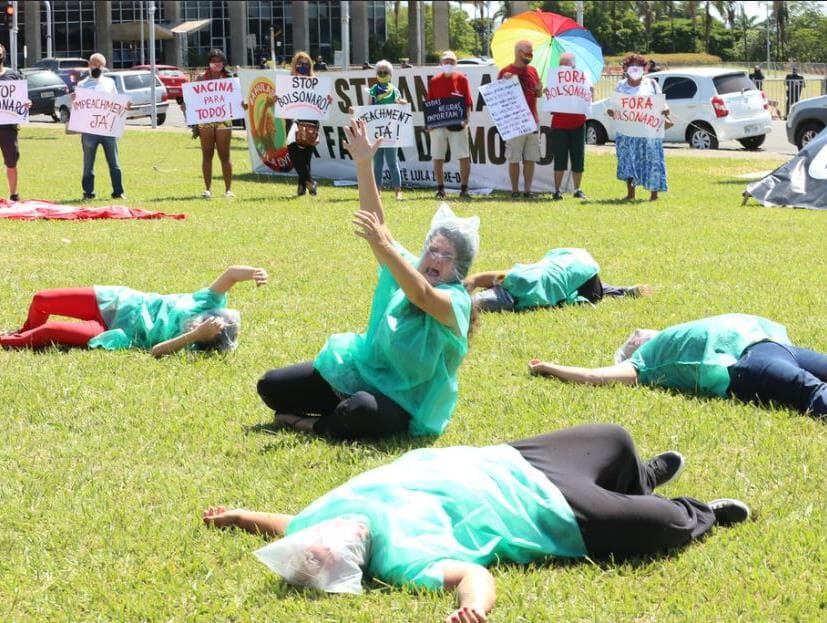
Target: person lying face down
{"type": "Point", "coordinates": [400, 375]}
{"type": "Point", "coordinates": [436, 518]}
{"type": "Point", "coordinates": [117, 317]}
{"type": "Point", "coordinates": [739, 355]}
{"type": "Point", "coordinates": [562, 277]}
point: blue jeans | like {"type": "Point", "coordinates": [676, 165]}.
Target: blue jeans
{"type": "Point", "coordinates": [391, 156]}
{"type": "Point", "coordinates": [788, 375]}
{"type": "Point", "coordinates": [90, 144]}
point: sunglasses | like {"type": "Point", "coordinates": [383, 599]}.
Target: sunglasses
{"type": "Point", "coordinates": [383, 73]}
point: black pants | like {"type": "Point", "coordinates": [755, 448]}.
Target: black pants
{"type": "Point", "coordinates": [594, 290]}
{"type": "Point", "coordinates": [301, 390]}
{"type": "Point", "coordinates": [610, 491]}
{"type": "Point", "coordinates": [301, 157]}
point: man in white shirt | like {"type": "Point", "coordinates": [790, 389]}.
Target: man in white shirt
{"type": "Point", "coordinates": [97, 81]}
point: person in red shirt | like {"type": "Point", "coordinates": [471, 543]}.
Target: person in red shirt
{"type": "Point", "coordinates": [525, 148]}
{"type": "Point", "coordinates": [451, 83]}
{"type": "Point", "coordinates": [568, 139]}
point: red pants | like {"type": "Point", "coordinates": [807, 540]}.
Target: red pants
{"type": "Point", "coordinates": [37, 332]}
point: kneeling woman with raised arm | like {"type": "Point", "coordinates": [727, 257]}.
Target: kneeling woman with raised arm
{"type": "Point", "coordinates": [747, 357]}
{"type": "Point", "coordinates": [117, 317]}
{"type": "Point", "coordinates": [401, 374]}
{"type": "Point", "coordinates": [435, 518]}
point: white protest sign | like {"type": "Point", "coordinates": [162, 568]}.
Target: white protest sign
{"type": "Point", "coordinates": [212, 101]}
{"type": "Point", "coordinates": [508, 108]}
{"type": "Point", "coordinates": [303, 97]}
{"type": "Point", "coordinates": [393, 123]}
{"type": "Point", "coordinates": [97, 112]}
{"type": "Point", "coordinates": [567, 90]}
{"type": "Point", "coordinates": [639, 115]}
{"type": "Point", "coordinates": [13, 97]}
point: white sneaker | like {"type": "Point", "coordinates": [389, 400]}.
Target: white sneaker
{"type": "Point", "coordinates": [229, 194]}
{"type": "Point", "coordinates": [206, 194]}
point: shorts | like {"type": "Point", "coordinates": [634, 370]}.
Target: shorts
{"type": "Point", "coordinates": [525, 148]}
{"type": "Point", "coordinates": [8, 145]}
{"type": "Point", "coordinates": [218, 125]}
{"type": "Point", "coordinates": [565, 143]}
{"type": "Point", "coordinates": [441, 138]}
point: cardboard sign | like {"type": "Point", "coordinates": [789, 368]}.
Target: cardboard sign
{"type": "Point", "coordinates": [639, 115]}
{"type": "Point", "coordinates": [302, 97]}
{"type": "Point", "coordinates": [393, 123]}
{"type": "Point", "coordinates": [96, 112]}
{"type": "Point", "coordinates": [13, 97]}
{"type": "Point", "coordinates": [212, 101]}
{"type": "Point", "coordinates": [444, 111]}
{"type": "Point", "coordinates": [567, 90]}
{"type": "Point", "coordinates": [508, 108]}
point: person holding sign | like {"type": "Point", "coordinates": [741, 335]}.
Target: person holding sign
{"type": "Point", "coordinates": [563, 276]}
{"type": "Point", "coordinates": [640, 160]}
{"type": "Point", "coordinates": [8, 132]}
{"type": "Point", "coordinates": [450, 83]}
{"type": "Point", "coordinates": [117, 318]}
{"type": "Point", "coordinates": [435, 518]}
{"type": "Point", "coordinates": [216, 136]}
{"type": "Point", "coordinates": [401, 374]}
{"type": "Point", "coordinates": [383, 93]}
{"type": "Point", "coordinates": [733, 355]}
{"type": "Point", "coordinates": [97, 81]}
{"type": "Point", "coordinates": [525, 148]}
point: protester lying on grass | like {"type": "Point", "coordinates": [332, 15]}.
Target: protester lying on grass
{"type": "Point", "coordinates": [401, 374]}
{"type": "Point", "coordinates": [747, 357]}
{"type": "Point", "coordinates": [117, 317]}
{"type": "Point", "coordinates": [435, 518]}
{"type": "Point", "coordinates": [562, 276]}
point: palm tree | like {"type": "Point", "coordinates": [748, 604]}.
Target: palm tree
{"type": "Point", "coordinates": [396, 6]}
{"type": "Point", "coordinates": [692, 11]}
{"type": "Point", "coordinates": [646, 9]}
{"type": "Point", "coordinates": [707, 25]}
{"type": "Point", "coordinates": [781, 14]}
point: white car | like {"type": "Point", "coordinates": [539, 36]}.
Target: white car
{"type": "Point", "coordinates": [135, 83]}
{"type": "Point", "coordinates": [708, 105]}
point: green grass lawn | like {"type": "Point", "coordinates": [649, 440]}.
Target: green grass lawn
{"type": "Point", "coordinates": [107, 459]}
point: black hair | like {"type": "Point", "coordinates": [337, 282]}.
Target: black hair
{"type": "Point", "coordinates": [216, 53]}
{"type": "Point", "coordinates": [462, 247]}
{"type": "Point", "coordinates": [227, 339]}
{"type": "Point", "coordinates": [2, 54]}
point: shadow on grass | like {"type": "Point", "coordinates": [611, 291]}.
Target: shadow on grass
{"type": "Point", "coordinates": [287, 437]}
{"type": "Point", "coordinates": [615, 202]}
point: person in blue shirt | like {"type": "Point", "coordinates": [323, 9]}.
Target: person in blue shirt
{"type": "Point", "coordinates": [437, 517]}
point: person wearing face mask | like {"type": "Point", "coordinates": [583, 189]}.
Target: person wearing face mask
{"type": "Point", "coordinates": [525, 148]}
{"type": "Point", "coordinates": [97, 81]}
{"type": "Point", "coordinates": [8, 132]}
{"type": "Point", "coordinates": [400, 375]}
{"type": "Point", "coordinates": [383, 93]}
{"type": "Point", "coordinates": [451, 83]}
{"type": "Point", "coordinates": [640, 160]}
{"type": "Point", "coordinates": [216, 136]}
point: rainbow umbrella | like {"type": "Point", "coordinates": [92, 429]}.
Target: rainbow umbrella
{"type": "Point", "coordinates": [551, 35]}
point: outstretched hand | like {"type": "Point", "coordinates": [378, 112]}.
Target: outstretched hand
{"type": "Point", "coordinates": [220, 517]}
{"type": "Point", "coordinates": [466, 615]}
{"type": "Point", "coordinates": [540, 368]}
{"type": "Point", "coordinates": [357, 141]}
{"type": "Point", "coordinates": [371, 229]}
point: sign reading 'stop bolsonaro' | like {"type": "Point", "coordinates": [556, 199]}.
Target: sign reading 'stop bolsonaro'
{"type": "Point", "coordinates": [266, 135]}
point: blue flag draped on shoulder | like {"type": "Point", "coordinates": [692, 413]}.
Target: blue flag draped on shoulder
{"type": "Point", "coordinates": [801, 183]}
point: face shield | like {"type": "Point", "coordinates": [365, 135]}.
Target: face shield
{"type": "Point", "coordinates": [463, 233]}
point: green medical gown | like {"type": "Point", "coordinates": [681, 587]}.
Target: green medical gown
{"type": "Point", "coordinates": [552, 280]}
{"type": "Point", "coordinates": [469, 504]}
{"type": "Point", "coordinates": [143, 319]}
{"type": "Point", "coordinates": [405, 354]}
{"type": "Point", "coordinates": [696, 356]}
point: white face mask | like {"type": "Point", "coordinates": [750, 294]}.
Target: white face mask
{"type": "Point", "coordinates": [447, 68]}
{"type": "Point", "coordinates": [635, 72]}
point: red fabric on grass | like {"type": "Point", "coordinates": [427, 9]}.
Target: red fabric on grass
{"type": "Point", "coordinates": [36, 209]}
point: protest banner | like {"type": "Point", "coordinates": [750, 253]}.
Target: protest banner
{"type": "Point", "coordinates": [567, 90]}
{"type": "Point", "coordinates": [444, 111]}
{"type": "Point", "coordinates": [13, 97]}
{"type": "Point", "coordinates": [393, 123]}
{"type": "Point", "coordinates": [639, 115]}
{"type": "Point", "coordinates": [96, 112]}
{"type": "Point", "coordinates": [212, 101]}
{"type": "Point", "coordinates": [267, 136]}
{"type": "Point", "coordinates": [508, 108]}
{"type": "Point", "coordinates": [302, 97]}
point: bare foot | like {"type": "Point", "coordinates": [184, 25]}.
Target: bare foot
{"type": "Point", "coordinates": [641, 289]}
{"type": "Point", "coordinates": [220, 517]}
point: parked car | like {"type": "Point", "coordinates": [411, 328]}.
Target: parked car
{"type": "Point", "coordinates": [172, 77]}
{"type": "Point", "coordinates": [71, 70]}
{"type": "Point", "coordinates": [477, 60]}
{"type": "Point", "coordinates": [44, 88]}
{"type": "Point", "coordinates": [136, 85]}
{"type": "Point", "coordinates": [806, 119]}
{"type": "Point", "coordinates": [708, 105]}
